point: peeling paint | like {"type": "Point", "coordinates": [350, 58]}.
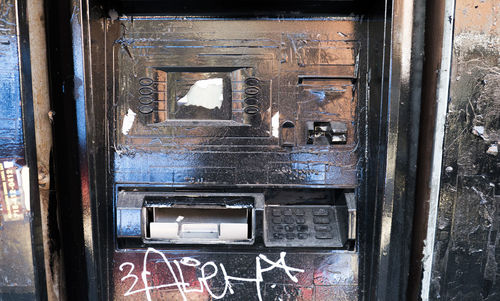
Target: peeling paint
{"type": "Point", "coordinates": [493, 150]}
{"type": "Point", "coordinates": [275, 124]}
{"type": "Point", "coordinates": [206, 93]}
{"type": "Point", "coordinates": [128, 121]}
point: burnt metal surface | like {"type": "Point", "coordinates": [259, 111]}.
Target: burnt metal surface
{"type": "Point", "coordinates": [307, 72]}
{"type": "Point", "coordinates": [194, 275]}
{"type": "Point", "coordinates": [300, 76]}
{"type": "Point", "coordinates": [191, 151]}
{"type": "Point", "coordinates": [275, 8]}
{"type": "Point", "coordinates": [403, 112]}
{"type": "Point", "coordinates": [128, 140]}
{"type": "Point", "coordinates": [466, 254]}
{"type": "Point", "coordinates": [66, 194]}
{"type": "Point", "coordinates": [21, 252]}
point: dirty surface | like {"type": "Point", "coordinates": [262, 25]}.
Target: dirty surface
{"type": "Point", "coordinates": [289, 76]}
{"type": "Point", "coordinates": [287, 119]}
{"type": "Point", "coordinates": [467, 253]}
{"type": "Point", "coordinates": [231, 276]}
{"type": "Point", "coordinates": [16, 267]}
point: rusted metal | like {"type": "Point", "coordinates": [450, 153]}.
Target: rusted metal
{"type": "Point", "coordinates": [43, 133]}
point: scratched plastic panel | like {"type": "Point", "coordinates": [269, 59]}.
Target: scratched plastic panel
{"type": "Point", "coordinates": [269, 92]}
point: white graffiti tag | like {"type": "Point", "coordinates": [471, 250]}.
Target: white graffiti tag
{"type": "Point", "coordinates": [208, 271]}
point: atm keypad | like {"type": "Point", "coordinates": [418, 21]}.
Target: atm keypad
{"type": "Point", "coordinates": [302, 226]}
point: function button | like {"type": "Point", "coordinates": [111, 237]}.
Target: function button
{"type": "Point", "coordinates": [302, 228]}
{"type": "Point", "coordinates": [278, 235]}
{"type": "Point", "coordinates": [251, 110]}
{"type": "Point", "coordinates": [290, 236]}
{"type": "Point", "coordinates": [321, 220]}
{"type": "Point", "coordinates": [252, 91]}
{"type": "Point", "coordinates": [302, 235]}
{"type": "Point", "coordinates": [299, 212]}
{"type": "Point", "coordinates": [277, 220]}
{"type": "Point", "coordinates": [278, 228]}
{"type": "Point", "coordinates": [323, 228]}
{"type": "Point", "coordinates": [320, 212]}
{"type": "Point", "coordinates": [276, 212]}
{"type": "Point", "coordinates": [324, 235]}
{"type": "Point", "coordinates": [145, 100]}
{"type": "Point", "coordinates": [300, 220]}
{"type": "Point", "coordinates": [287, 212]}
{"type": "Point", "coordinates": [289, 228]}
{"type": "Point", "coordinates": [251, 101]}
{"type": "Point", "coordinates": [146, 109]}
{"type": "Point", "coordinates": [252, 81]}
{"type": "Point", "coordinates": [289, 220]}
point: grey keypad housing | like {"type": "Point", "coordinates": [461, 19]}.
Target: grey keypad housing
{"type": "Point", "coordinates": [305, 226]}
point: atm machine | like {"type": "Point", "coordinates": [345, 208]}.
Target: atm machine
{"type": "Point", "coordinates": [239, 151]}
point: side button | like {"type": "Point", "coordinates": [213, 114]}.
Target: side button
{"type": "Point", "coordinates": [323, 228]}
{"type": "Point", "coordinates": [320, 212]}
{"type": "Point", "coordinates": [324, 235]}
{"type": "Point", "coordinates": [321, 220]}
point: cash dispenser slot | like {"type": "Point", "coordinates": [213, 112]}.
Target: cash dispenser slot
{"type": "Point", "coordinates": [187, 218]}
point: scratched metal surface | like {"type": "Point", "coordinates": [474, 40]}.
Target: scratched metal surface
{"type": "Point", "coordinates": [275, 275]}
{"type": "Point", "coordinates": [16, 266]}
{"type": "Point", "coordinates": [109, 157]}
{"type": "Point", "coordinates": [467, 253]}
{"type": "Point", "coordinates": [307, 71]}
{"type": "Point", "coordinates": [152, 151]}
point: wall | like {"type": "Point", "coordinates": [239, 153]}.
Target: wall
{"type": "Point", "coordinates": [466, 256]}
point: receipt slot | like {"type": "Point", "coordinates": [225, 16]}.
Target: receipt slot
{"type": "Point", "coordinates": [237, 153]}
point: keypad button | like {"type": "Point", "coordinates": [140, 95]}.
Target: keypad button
{"type": "Point", "coordinates": [278, 235]}
{"type": "Point", "coordinates": [321, 220]}
{"type": "Point", "coordinates": [300, 220]}
{"type": "Point", "coordinates": [289, 220]}
{"type": "Point", "coordinates": [276, 212]}
{"type": "Point", "coordinates": [289, 228]}
{"type": "Point", "coordinates": [302, 228]}
{"type": "Point", "coordinates": [287, 212]}
{"type": "Point", "coordinates": [302, 235]}
{"type": "Point", "coordinates": [323, 235]}
{"type": "Point", "coordinates": [290, 236]}
{"type": "Point", "coordinates": [278, 228]}
{"type": "Point", "coordinates": [320, 212]}
{"type": "Point", "coordinates": [277, 220]}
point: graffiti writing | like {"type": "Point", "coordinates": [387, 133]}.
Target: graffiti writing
{"type": "Point", "coordinates": [208, 271]}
